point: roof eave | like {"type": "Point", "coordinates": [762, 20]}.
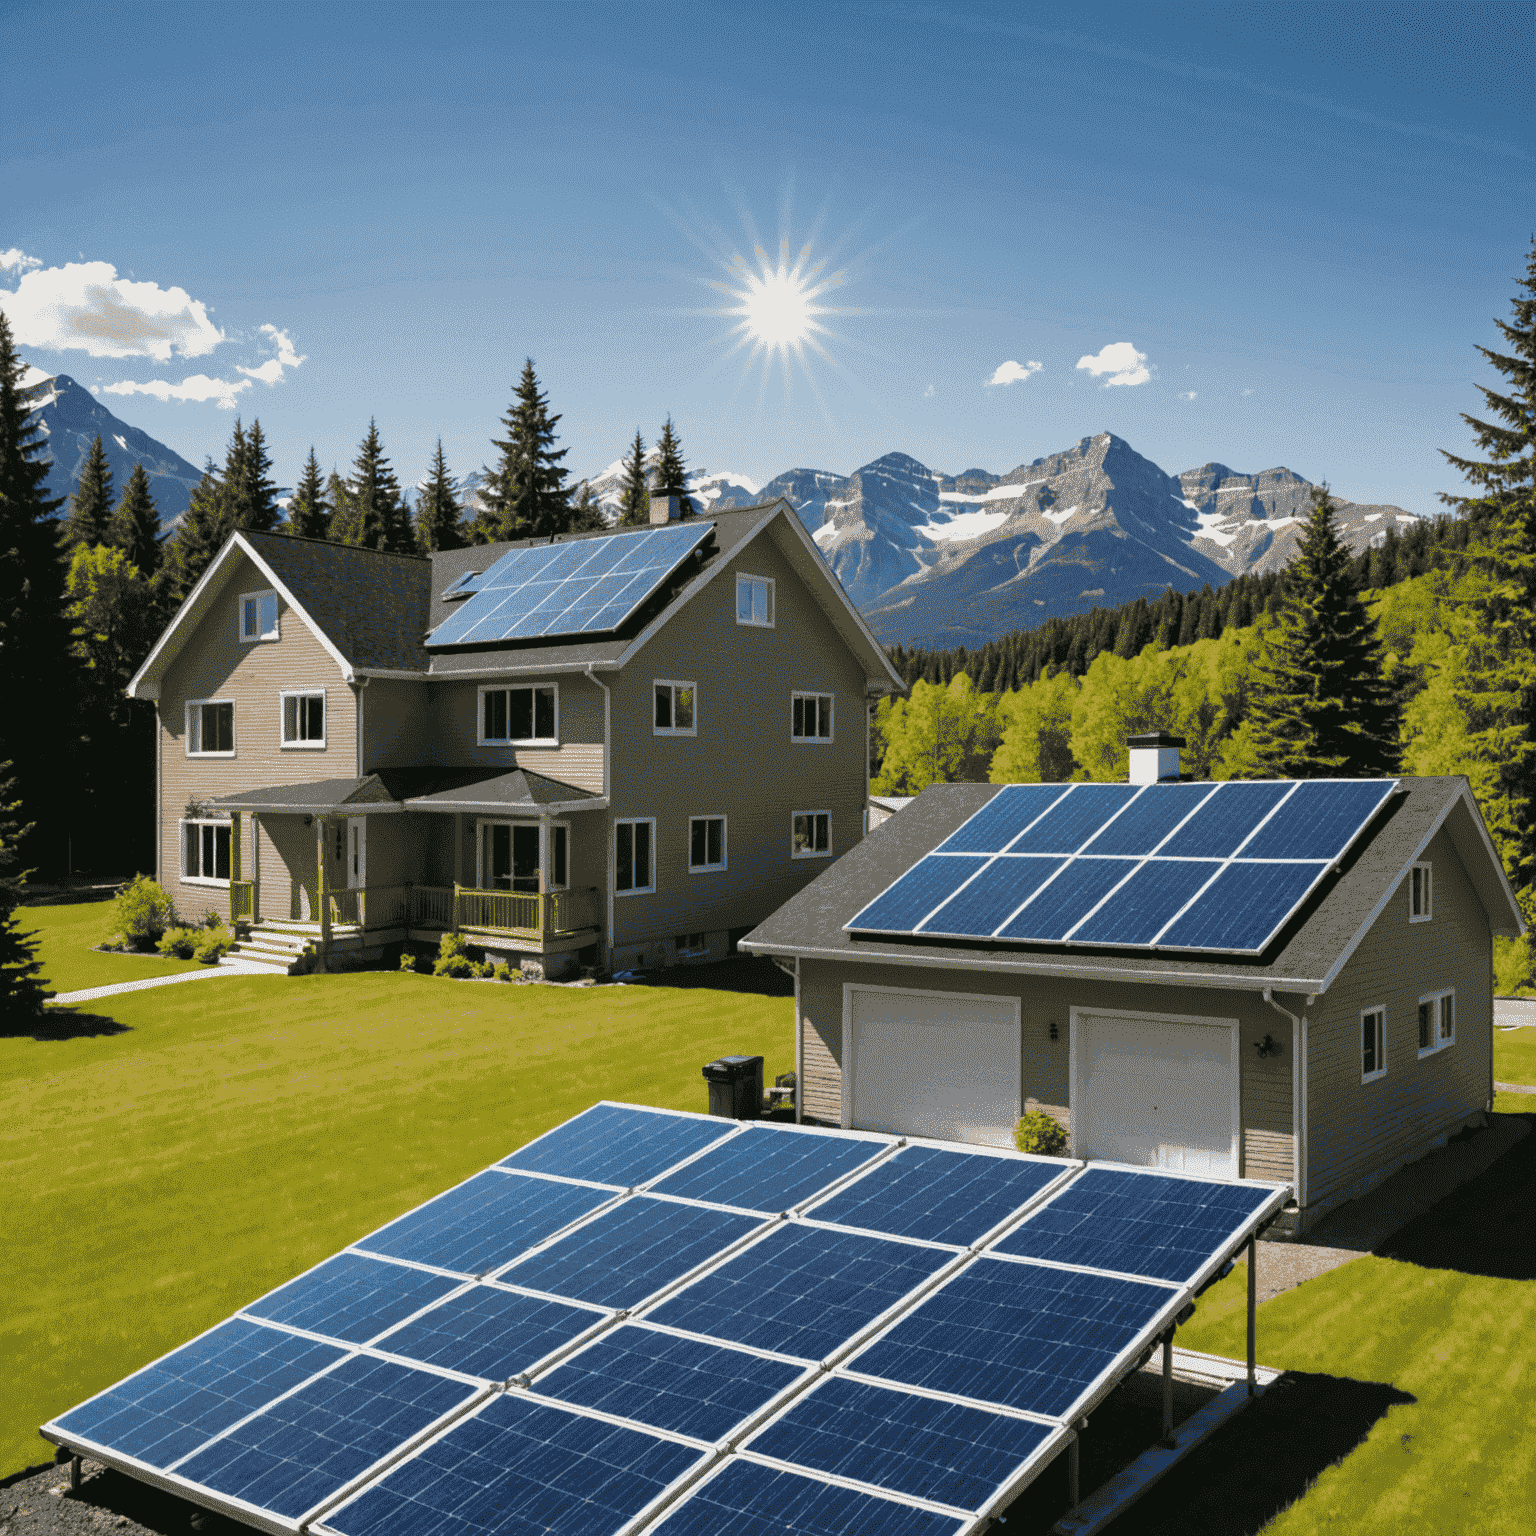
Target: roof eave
{"type": "Point", "coordinates": [429, 806]}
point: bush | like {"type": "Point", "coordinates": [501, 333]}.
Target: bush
{"type": "Point", "coordinates": [485, 970]}
{"type": "Point", "coordinates": [453, 958]}
{"type": "Point", "coordinates": [408, 962]}
{"type": "Point", "coordinates": [213, 920]}
{"type": "Point", "coordinates": [504, 972]}
{"type": "Point", "coordinates": [212, 944]}
{"type": "Point", "coordinates": [1037, 1132]}
{"type": "Point", "coordinates": [180, 943]}
{"type": "Point", "coordinates": [142, 912]}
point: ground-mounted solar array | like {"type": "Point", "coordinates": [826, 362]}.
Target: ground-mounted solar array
{"type": "Point", "coordinates": [582, 587]}
{"type": "Point", "coordinates": [1194, 867]}
{"type": "Point", "coordinates": [646, 1320]}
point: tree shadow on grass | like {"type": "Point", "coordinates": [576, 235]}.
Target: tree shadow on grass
{"type": "Point", "coordinates": [61, 1024]}
{"type": "Point", "coordinates": [741, 973]}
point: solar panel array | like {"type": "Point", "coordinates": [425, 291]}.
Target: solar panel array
{"type": "Point", "coordinates": [582, 587]}
{"type": "Point", "coordinates": [1213, 867]}
{"type": "Point", "coordinates": [656, 1321]}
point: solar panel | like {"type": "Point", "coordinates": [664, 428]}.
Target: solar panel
{"type": "Point", "coordinates": [352, 1297]}
{"type": "Point", "coordinates": [938, 1195]}
{"type": "Point", "coordinates": [1152, 1224]}
{"type": "Point", "coordinates": [619, 1145]}
{"type": "Point", "coordinates": [770, 1168]}
{"type": "Point", "coordinates": [685, 1385]}
{"type": "Point", "coordinates": [1218, 867]}
{"type": "Point", "coordinates": [584, 586]}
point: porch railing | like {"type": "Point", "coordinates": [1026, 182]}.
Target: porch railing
{"type": "Point", "coordinates": [520, 914]}
{"type": "Point", "coordinates": [374, 906]}
{"type": "Point", "coordinates": [526, 914]}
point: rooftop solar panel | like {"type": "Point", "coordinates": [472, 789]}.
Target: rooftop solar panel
{"type": "Point", "coordinates": [1147, 902]}
{"type": "Point", "coordinates": [993, 896]}
{"type": "Point", "coordinates": [1003, 817]}
{"type": "Point", "coordinates": [1060, 906]}
{"type": "Point", "coordinates": [770, 1168]}
{"type": "Point", "coordinates": [925, 886]}
{"type": "Point", "coordinates": [618, 1145]}
{"type": "Point", "coordinates": [688, 1386]}
{"type": "Point", "coordinates": [352, 1297]}
{"type": "Point", "coordinates": [1075, 818]}
{"type": "Point", "coordinates": [1319, 820]}
{"type": "Point", "coordinates": [1225, 820]}
{"type": "Point", "coordinates": [938, 1195]}
{"type": "Point", "coordinates": [1243, 907]}
{"type": "Point", "coordinates": [1153, 1224]}
{"type": "Point", "coordinates": [1148, 819]}
{"type": "Point", "coordinates": [485, 1222]}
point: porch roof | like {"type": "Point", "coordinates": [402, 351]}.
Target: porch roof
{"type": "Point", "coordinates": [424, 789]}
{"type": "Point", "coordinates": [518, 792]}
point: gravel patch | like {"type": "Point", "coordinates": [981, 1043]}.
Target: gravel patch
{"type": "Point", "coordinates": [40, 1502]}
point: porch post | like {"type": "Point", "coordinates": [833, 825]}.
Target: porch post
{"type": "Point", "coordinates": [458, 864]}
{"type": "Point", "coordinates": [321, 894]}
{"type": "Point", "coordinates": [234, 864]}
{"type": "Point", "coordinates": [544, 840]}
{"type": "Point", "coordinates": [255, 867]}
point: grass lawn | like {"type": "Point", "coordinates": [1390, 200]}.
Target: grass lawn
{"type": "Point", "coordinates": [205, 1143]}
{"type": "Point", "coordinates": [66, 935]}
{"type": "Point", "coordinates": [1514, 1061]}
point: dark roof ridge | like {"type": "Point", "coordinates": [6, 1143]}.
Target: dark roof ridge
{"type": "Point", "coordinates": [298, 538]}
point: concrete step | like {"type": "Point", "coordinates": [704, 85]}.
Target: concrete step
{"type": "Point", "coordinates": [244, 959]}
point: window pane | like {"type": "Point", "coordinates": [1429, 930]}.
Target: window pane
{"type": "Point", "coordinates": [624, 858]}
{"type": "Point", "coordinates": [823, 833]}
{"type": "Point", "coordinates": [290, 719]}
{"type": "Point", "coordinates": [195, 729]}
{"type": "Point", "coordinates": [716, 829]}
{"type": "Point", "coordinates": [685, 709]}
{"type": "Point", "coordinates": [798, 728]}
{"type": "Point", "coordinates": [1368, 1043]}
{"type": "Point", "coordinates": [544, 713]}
{"type": "Point", "coordinates": [802, 826]}
{"type": "Point", "coordinates": [221, 853]}
{"type": "Point", "coordinates": [218, 727]}
{"type": "Point", "coordinates": [520, 713]}
{"type": "Point", "coordinates": [642, 855]}
{"type": "Point", "coordinates": [760, 612]}
{"type": "Point", "coordinates": [501, 858]}
{"type": "Point", "coordinates": [697, 843]}
{"type": "Point", "coordinates": [269, 613]}
{"type": "Point", "coordinates": [315, 706]}
{"type": "Point", "coordinates": [743, 600]}
{"type": "Point", "coordinates": [824, 717]}
{"type": "Point", "coordinates": [663, 707]}
{"type": "Point", "coordinates": [190, 864]}
{"type": "Point", "coordinates": [1426, 1025]}
{"type": "Point", "coordinates": [525, 858]}
{"type": "Point", "coordinates": [205, 858]}
{"type": "Point", "coordinates": [248, 618]}
{"type": "Point", "coordinates": [1447, 1018]}
{"type": "Point", "coordinates": [557, 856]}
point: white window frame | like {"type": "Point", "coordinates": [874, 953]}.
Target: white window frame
{"type": "Point", "coordinates": [811, 853]}
{"type": "Point", "coordinates": [193, 704]}
{"type": "Point", "coordinates": [674, 730]}
{"type": "Point", "coordinates": [821, 698]}
{"type": "Point", "coordinates": [709, 869]}
{"type": "Point", "coordinates": [618, 826]}
{"type": "Point", "coordinates": [282, 719]}
{"type": "Point", "coordinates": [482, 740]}
{"type": "Point", "coordinates": [275, 633]}
{"type": "Point", "coordinates": [181, 856]}
{"type": "Point", "coordinates": [766, 581]}
{"type": "Point", "coordinates": [1438, 1040]}
{"type": "Point", "coordinates": [546, 847]}
{"type": "Point", "coordinates": [1428, 887]}
{"type": "Point", "coordinates": [1379, 1013]}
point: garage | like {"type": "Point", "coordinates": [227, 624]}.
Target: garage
{"type": "Point", "coordinates": [1156, 1090]}
{"type": "Point", "coordinates": [940, 1064]}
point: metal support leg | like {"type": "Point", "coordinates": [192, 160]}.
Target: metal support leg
{"type": "Point", "coordinates": [74, 1474]}
{"type": "Point", "coordinates": [1253, 1291]}
{"type": "Point", "coordinates": [1168, 1387]}
{"type": "Point", "coordinates": [1072, 1473]}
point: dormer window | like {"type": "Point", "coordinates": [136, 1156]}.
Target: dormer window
{"type": "Point", "coordinates": [258, 616]}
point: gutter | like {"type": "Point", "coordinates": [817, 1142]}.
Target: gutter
{"type": "Point", "coordinates": [1298, 1096]}
{"type": "Point", "coordinates": [592, 677]}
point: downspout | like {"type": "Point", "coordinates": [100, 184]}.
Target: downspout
{"type": "Point", "coordinates": [592, 677]}
{"type": "Point", "coordinates": [357, 693]}
{"type": "Point", "coordinates": [161, 872]}
{"type": "Point", "coordinates": [800, 1040]}
{"type": "Point", "coordinates": [1298, 1098]}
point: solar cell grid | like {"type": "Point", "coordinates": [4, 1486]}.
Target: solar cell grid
{"type": "Point", "coordinates": [1157, 1225]}
{"type": "Point", "coordinates": [993, 896]}
{"type": "Point", "coordinates": [1002, 818]}
{"type": "Point", "coordinates": [1139, 910]}
{"type": "Point", "coordinates": [1320, 820]}
{"type": "Point", "coordinates": [769, 1169]}
{"type": "Point", "coordinates": [1245, 905]}
{"type": "Point", "coordinates": [1061, 905]}
{"type": "Point", "coordinates": [1074, 818]}
{"type": "Point", "coordinates": [1154, 813]}
{"type": "Point", "coordinates": [910, 899]}
{"type": "Point", "coordinates": [1225, 820]}
{"type": "Point", "coordinates": [352, 1297]}
{"type": "Point", "coordinates": [168, 1409]}
{"type": "Point", "coordinates": [615, 1144]}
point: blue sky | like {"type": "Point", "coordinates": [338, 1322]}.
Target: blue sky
{"type": "Point", "coordinates": [1291, 222]}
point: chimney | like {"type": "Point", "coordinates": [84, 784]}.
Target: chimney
{"type": "Point", "coordinates": [1154, 757]}
{"type": "Point", "coordinates": [664, 509]}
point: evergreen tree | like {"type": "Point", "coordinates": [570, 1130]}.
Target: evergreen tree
{"type": "Point", "coordinates": [136, 524]}
{"type": "Point", "coordinates": [1321, 707]}
{"type": "Point", "coordinates": [525, 496]}
{"type": "Point", "coordinates": [671, 472]}
{"type": "Point", "coordinates": [196, 540]}
{"type": "Point", "coordinates": [21, 987]}
{"type": "Point", "coordinates": [374, 515]}
{"type": "Point", "coordinates": [586, 514]}
{"type": "Point", "coordinates": [309, 513]}
{"type": "Point", "coordinates": [252, 496]}
{"type": "Point", "coordinates": [634, 493]}
{"type": "Point", "coordinates": [438, 512]}
{"type": "Point", "coordinates": [1496, 688]}
{"type": "Point", "coordinates": [90, 508]}
{"type": "Point", "coordinates": [337, 494]}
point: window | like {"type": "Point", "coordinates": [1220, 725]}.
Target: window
{"type": "Point", "coordinates": [1420, 894]}
{"type": "Point", "coordinates": [706, 843]}
{"type": "Point", "coordinates": [691, 945]}
{"type": "Point", "coordinates": [304, 719]}
{"type": "Point", "coordinates": [258, 616]}
{"type": "Point", "coordinates": [813, 834]}
{"type": "Point", "coordinates": [520, 717]}
{"type": "Point", "coordinates": [205, 852]}
{"type": "Point", "coordinates": [810, 717]}
{"type": "Point", "coordinates": [210, 728]}
{"type": "Point", "coordinates": [633, 871]}
{"type": "Point", "coordinates": [1437, 1022]}
{"type": "Point", "coordinates": [674, 709]}
{"type": "Point", "coordinates": [754, 601]}
{"type": "Point", "coordinates": [508, 856]}
{"type": "Point", "coordinates": [1373, 1044]}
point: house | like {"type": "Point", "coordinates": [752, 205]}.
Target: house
{"type": "Point", "coordinates": [355, 749]}
{"type": "Point", "coordinates": [1346, 1033]}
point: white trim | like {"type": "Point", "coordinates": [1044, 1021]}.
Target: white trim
{"type": "Point", "coordinates": [810, 853]}
{"type": "Point", "coordinates": [1438, 1041]}
{"type": "Point", "coordinates": [636, 890]}
{"type": "Point", "coordinates": [275, 633]}
{"type": "Point", "coordinates": [546, 826]}
{"type": "Point", "coordinates": [1379, 1012]}
{"type": "Point", "coordinates": [482, 740]}
{"type": "Point", "coordinates": [827, 698]}
{"type": "Point", "coordinates": [1428, 885]}
{"type": "Point", "coordinates": [284, 694]}
{"type": "Point", "coordinates": [1075, 1073]}
{"type": "Point", "coordinates": [709, 869]}
{"type": "Point", "coordinates": [186, 740]}
{"type": "Point", "coordinates": [181, 851]}
{"type": "Point", "coordinates": [674, 684]}
{"type": "Point", "coordinates": [773, 601]}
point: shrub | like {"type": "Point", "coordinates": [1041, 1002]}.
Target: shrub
{"type": "Point", "coordinates": [1037, 1132]}
{"type": "Point", "coordinates": [142, 912]}
{"type": "Point", "coordinates": [211, 945]}
{"type": "Point", "coordinates": [485, 970]}
{"type": "Point", "coordinates": [504, 972]}
{"type": "Point", "coordinates": [213, 920]}
{"type": "Point", "coordinates": [408, 962]}
{"type": "Point", "coordinates": [453, 958]}
{"type": "Point", "coordinates": [179, 942]}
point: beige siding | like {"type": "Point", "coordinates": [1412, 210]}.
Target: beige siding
{"type": "Point", "coordinates": [1354, 1128]}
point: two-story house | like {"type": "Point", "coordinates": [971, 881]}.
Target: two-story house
{"type": "Point", "coordinates": [621, 749]}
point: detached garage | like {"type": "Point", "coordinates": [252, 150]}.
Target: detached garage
{"type": "Point", "coordinates": [1287, 980]}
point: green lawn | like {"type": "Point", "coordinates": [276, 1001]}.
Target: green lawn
{"type": "Point", "coordinates": [231, 1134]}
{"type": "Point", "coordinates": [66, 935]}
{"type": "Point", "coordinates": [1514, 1055]}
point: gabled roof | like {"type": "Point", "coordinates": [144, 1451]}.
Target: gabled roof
{"type": "Point", "coordinates": [486, 790]}
{"type": "Point", "coordinates": [1307, 956]}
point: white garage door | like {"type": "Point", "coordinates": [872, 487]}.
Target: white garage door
{"type": "Point", "coordinates": [931, 1064]}
{"type": "Point", "coordinates": [1155, 1092]}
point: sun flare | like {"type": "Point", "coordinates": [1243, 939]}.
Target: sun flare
{"type": "Point", "coordinates": [776, 305]}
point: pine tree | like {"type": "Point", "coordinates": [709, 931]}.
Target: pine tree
{"type": "Point", "coordinates": [586, 514]}
{"type": "Point", "coordinates": [136, 524]}
{"type": "Point", "coordinates": [340, 498]}
{"type": "Point", "coordinates": [1321, 707]}
{"type": "Point", "coordinates": [90, 508]}
{"type": "Point", "coordinates": [256, 507]}
{"type": "Point", "coordinates": [21, 987]}
{"type": "Point", "coordinates": [671, 472]}
{"type": "Point", "coordinates": [309, 513]}
{"type": "Point", "coordinates": [1496, 687]}
{"type": "Point", "coordinates": [196, 541]}
{"type": "Point", "coordinates": [438, 512]}
{"type": "Point", "coordinates": [373, 515]}
{"type": "Point", "coordinates": [525, 496]}
{"type": "Point", "coordinates": [634, 493]}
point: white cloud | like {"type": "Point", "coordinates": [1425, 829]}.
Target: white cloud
{"type": "Point", "coordinates": [1012, 372]}
{"type": "Point", "coordinates": [271, 371]}
{"type": "Point", "coordinates": [199, 387]}
{"type": "Point", "coordinates": [33, 375]}
{"type": "Point", "coordinates": [928, 393]}
{"type": "Point", "coordinates": [1121, 361]}
{"type": "Point", "coordinates": [1189, 394]}
{"type": "Point", "coordinates": [17, 261]}
{"type": "Point", "coordinates": [87, 307]}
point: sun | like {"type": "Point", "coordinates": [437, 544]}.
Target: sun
{"type": "Point", "coordinates": [776, 304]}
{"type": "Point", "coordinates": [778, 308]}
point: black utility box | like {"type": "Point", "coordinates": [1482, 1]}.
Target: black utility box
{"type": "Point", "coordinates": [735, 1087]}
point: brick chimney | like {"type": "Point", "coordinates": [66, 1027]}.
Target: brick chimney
{"type": "Point", "coordinates": [1154, 757]}
{"type": "Point", "coordinates": [665, 509]}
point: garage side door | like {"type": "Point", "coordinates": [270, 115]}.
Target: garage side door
{"type": "Point", "coordinates": [932, 1064]}
{"type": "Point", "coordinates": [1155, 1093]}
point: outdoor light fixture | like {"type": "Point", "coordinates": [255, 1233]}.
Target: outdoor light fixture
{"type": "Point", "coordinates": [1268, 1046]}
{"type": "Point", "coordinates": [1055, 1033]}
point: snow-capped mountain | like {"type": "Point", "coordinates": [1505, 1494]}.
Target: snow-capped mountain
{"type": "Point", "coordinates": [71, 416]}
{"type": "Point", "coordinates": [711, 492]}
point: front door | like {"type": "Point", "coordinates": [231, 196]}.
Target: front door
{"type": "Point", "coordinates": [357, 852]}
